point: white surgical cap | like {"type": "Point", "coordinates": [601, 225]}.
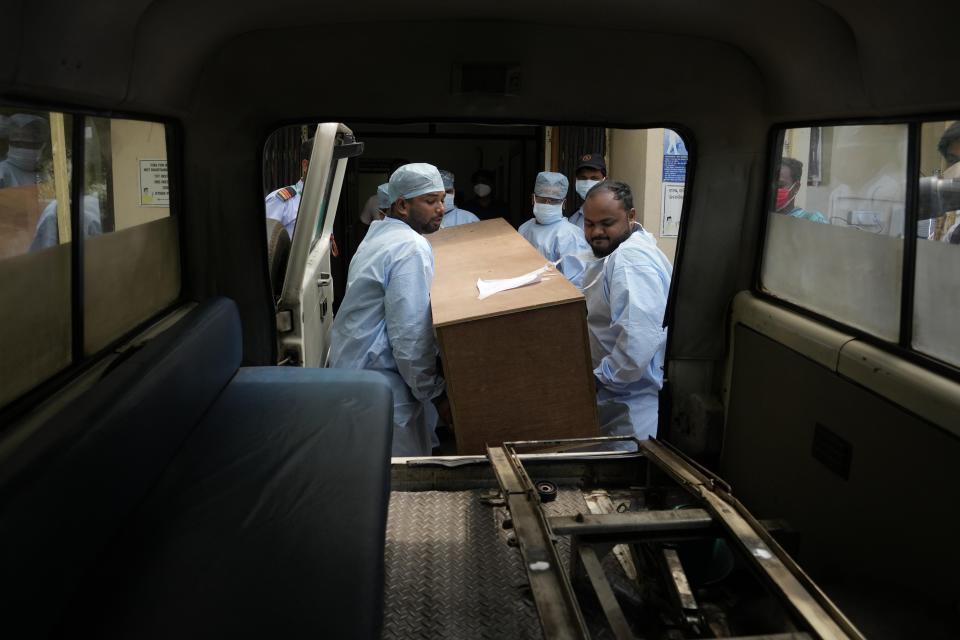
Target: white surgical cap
{"type": "Point", "coordinates": [551, 185]}
{"type": "Point", "coordinates": [383, 196]}
{"type": "Point", "coordinates": [447, 178]}
{"type": "Point", "coordinates": [412, 180]}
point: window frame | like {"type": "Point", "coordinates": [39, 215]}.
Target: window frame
{"type": "Point", "coordinates": [902, 348]}
{"type": "Point", "coordinates": [80, 363]}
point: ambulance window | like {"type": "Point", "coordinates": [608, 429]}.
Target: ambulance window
{"type": "Point", "coordinates": [35, 294]}
{"type": "Point", "coordinates": [937, 277]}
{"type": "Point", "coordinates": [835, 223]}
{"type": "Point", "coordinates": [58, 302]}
{"type": "Point", "coordinates": [131, 256]}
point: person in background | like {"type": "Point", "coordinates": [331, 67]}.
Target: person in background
{"type": "Point", "coordinates": [452, 216]}
{"type": "Point", "coordinates": [385, 321]}
{"type": "Point", "coordinates": [591, 171]}
{"type": "Point", "coordinates": [27, 137]}
{"type": "Point", "coordinates": [282, 205]}
{"type": "Point", "coordinates": [788, 186]}
{"type": "Point", "coordinates": [484, 204]}
{"type": "Point", "coordinates": [4, 136]}
{"type": "Point", "coordinates": [946, 228]}
{"type": "Point", "coordinates": [371, 208]}
{"type": "Point", "coordinates": [625, 286]}
{"type": "Point", "coordinates": [383, 201]}
{"type": "Point", "coordinates": [548, 230]}
{"type": "Point", "coordinates": [47, 233]}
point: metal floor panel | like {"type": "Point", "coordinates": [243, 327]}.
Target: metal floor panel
{"type": "Point", "coordinates": [450, 572]}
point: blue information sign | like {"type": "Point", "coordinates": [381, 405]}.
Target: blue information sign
{"type": "Point", "coordinates": [674, 157]}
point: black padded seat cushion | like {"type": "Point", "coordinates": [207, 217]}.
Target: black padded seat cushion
{"type": "Point", "coordinates": [184, 497]}
{"type": "Point", "coordinates": [67, 491]}
{"type": "Point", "coordinates": [269, 523]}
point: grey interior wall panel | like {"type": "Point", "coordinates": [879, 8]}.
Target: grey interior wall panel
{"type": "Point", "coordinates": [891, 521]}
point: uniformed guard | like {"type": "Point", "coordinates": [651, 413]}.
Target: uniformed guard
{"type": "Point", "coordinates": [283, 204]}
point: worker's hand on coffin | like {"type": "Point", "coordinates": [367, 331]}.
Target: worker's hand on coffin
{"type": "Point", "coordinates": [442, 403]}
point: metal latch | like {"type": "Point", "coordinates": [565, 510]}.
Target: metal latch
{"type": "Point", "coordinates": [284, 321]}
{"type": "Point", "coordinates": [324, 280]}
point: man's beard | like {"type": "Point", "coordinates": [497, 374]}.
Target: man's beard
{"type": "Point", "coordinates": [612, 246]}
{"type": "Point", "coordinates": [423, 228]}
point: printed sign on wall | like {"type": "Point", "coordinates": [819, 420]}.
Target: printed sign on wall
{"type": "Point", "coordinates": [670, 208]}
{"type": "Point", "coordinates": [674, 177]}
{"type": "Point", "coordinates": [674, 157]}
{"type": "Point", "coordinates": [154, 184]}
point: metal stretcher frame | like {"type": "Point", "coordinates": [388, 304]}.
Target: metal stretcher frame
{"type": "Point", "coordinates": [557, 606]}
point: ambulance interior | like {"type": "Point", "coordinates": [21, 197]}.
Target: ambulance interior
{"type": "Point", "coordinates": [812, 365]}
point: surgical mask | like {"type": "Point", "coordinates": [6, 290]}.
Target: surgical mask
{"type": "Point", "coordinates": [783, 197]}
{"type": "Point", "coordinates": [482, 190]}
{"type": "Point", "coordinates": [584, 186]}
{"type": "Point", "coordinates": [547, 213]}
{"type": "Point", "coordinates": [24, 159]}
{"type": "Point", "coordinates": [448, 202]}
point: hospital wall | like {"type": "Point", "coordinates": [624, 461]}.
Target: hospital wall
{"type": "Point", "coordinates": [635, 156]}
{"type": "Point", "coordinates": [130, 142]}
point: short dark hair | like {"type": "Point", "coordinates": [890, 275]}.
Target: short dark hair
{"type": "Point", "coordinates": [620, 190]}
{"type": "Point", "coordinates": [795, 167]}
{"type": "Point", "coordinates": [951, 135]}
{"type": "Point", "coordinates": [489, 175]}
{"type": "Point", "coordinates": [306, 149]}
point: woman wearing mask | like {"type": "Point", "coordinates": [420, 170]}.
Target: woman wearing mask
{"type": "Point", "coordinates": [548, 231]}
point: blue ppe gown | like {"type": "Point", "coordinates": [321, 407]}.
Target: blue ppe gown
{"type": "Point", "coordinates": [554, 240]}
{"type": "Point", "coordinates": [457, 216]}
{"type": "Point", "coordinates": [626, 295]}
{"type": "Point", "coordinates": [385, 324]}
{"type": "Point", "coordinates": [577, 219]}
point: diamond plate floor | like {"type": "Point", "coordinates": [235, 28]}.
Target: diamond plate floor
{"type": "Point", "coordinates": [450, 572]}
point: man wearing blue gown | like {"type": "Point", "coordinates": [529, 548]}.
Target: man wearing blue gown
{"type": "Point", "coordinates": [453, 215]}
{"type": "Point", "coordinates": [384, 322]}
{"type": "Point", "coordinates": [625, 284]}
{"type": "Point", "coordinates": [548, 230]}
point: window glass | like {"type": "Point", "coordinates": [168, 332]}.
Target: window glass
{"type": "Point", "coordinates": [131, 256]}
{"type": "Point", "coordinates": [35, 296]}
{"type": "Point", "coordinates": [835, 225]}
{"type": "Point", "coordinates": [936, 309]}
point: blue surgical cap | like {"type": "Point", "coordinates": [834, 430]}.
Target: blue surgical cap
{"type": "Point", "coordinates": [551, 185]}
{"type": "Point", "coordinates": [383, 196]}
{"type": "Point", "coordinates": [447, 177]}
{"type": "Point", "coordinates": [24, 127]}
{"type": "Point", "coordinates": [412, 180]}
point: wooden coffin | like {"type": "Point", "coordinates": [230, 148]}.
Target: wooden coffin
{"type": "Point", "coordinates": [517, 364]}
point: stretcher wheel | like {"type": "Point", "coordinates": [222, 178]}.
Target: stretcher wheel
{"type": "Point", "coordinates": [547, 490]}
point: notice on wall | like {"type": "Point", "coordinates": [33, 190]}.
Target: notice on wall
{"type": "Point", "coordinates": [671, 204]}
{"type": "Point", "coordinates": [154, 184]}
{"type": "Point", "coordinates": [674, 157]}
